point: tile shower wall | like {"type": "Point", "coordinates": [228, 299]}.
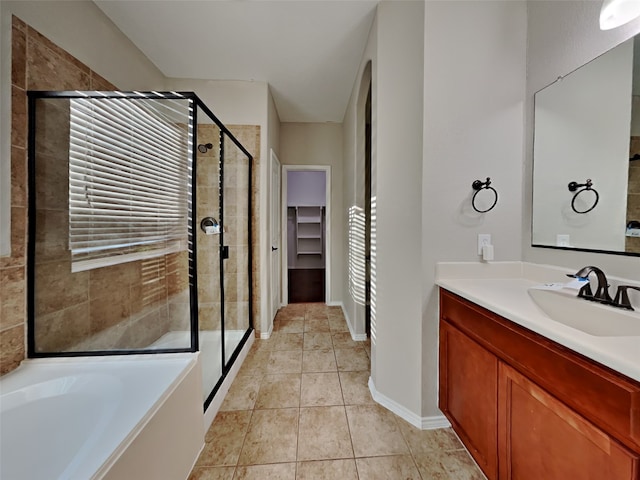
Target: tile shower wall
{"type": "Point", "coordinates": [141, 288]}
{"type": "Point", "coordinates": [39, 64]}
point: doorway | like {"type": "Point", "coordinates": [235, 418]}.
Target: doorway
{"type": "Point", "coordinates": [306, 230]}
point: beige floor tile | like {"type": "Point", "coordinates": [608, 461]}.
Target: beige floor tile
{"type": "Point", "coordinates": [288, 341]}
{"type": "Point", "coordinates": [320, 389]}
{"type": "Point", "coordinates": [422, 441]}
{"type": "Point", "coordinates": [327, 470]}
{"type": "Point", "coordinates": [338, 324]}
{"type": "Point", "coordinates": [290, 325]}
{"type": "Point", "coordinates": [212, 473]}
{"type": "Point", "coordinates": [242, 394]}
{"type": "Point", "coordinates": [355, 388]}
{"type": "Point", "coordinates": [255, 363]}
{"type": "Point", "coordinates": [316, 324]}
{"type": "Point", "coordinates": [383, 468]}
{"type": "Point", "coordinates": [317, 308]}
{"type": "Point", "coordinates": [324, 434]}
{"type": "Point", "coordinates": [344, 340]}
{"type": "Point", "coordinates": [352, 359]}
{"type": "Point", "coordinates": [319, 361]}
{"type": "Point", "coordinates": [271, 438]}
{"type": "Point", "coordinates": [374, 431]}
{"type": "Point", "coordinates": [278, 471]}
{"type": "Point", "coordinates": [317, 340]}
{"type": "Point", "coordinates": [285, 361]}
{"type": "Point", "coordinates": [279, 391]}
{"type": "Point", "coordinates": [223, 441]}
{"type": "Point", "coordinates": [461, 466]}
{"type": "Point", "coordinates": [261, 345]}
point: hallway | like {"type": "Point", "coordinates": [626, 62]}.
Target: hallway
{"type": "Point", "coordinates": [300, 408]}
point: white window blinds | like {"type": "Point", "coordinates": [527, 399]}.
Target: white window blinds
{"type": "Point", "coordinates": [129, 174]}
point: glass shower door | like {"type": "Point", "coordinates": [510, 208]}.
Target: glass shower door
{"type": "Point", "coordinates": [208, 241]}
{"type": "Point", "coordinates": [237, 241]}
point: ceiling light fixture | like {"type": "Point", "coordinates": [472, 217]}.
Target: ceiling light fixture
{"type": "Point", "coordinates": [615, 13]}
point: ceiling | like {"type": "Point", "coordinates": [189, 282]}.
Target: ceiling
{"type": "Point", "coordinates": [308, 51]}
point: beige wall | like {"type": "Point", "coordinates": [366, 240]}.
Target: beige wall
{"type": "Point", "coordinates": [452, 115]}
{"type": "Point", "coordinates": [321, 144]}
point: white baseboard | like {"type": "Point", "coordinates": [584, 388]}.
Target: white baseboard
{"type": "Point", "coordinates": [361, 337]}
{"type": "Point", "coordinates": [423, 423]}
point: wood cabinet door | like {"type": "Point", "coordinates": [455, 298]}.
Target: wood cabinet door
{"type": "Point", "coordinates": [468, 395]}
{"type": "Point", "coordinates": [541, 438]}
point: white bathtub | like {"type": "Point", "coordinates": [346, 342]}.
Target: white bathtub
{"type": "Point", "coordinates": [101, 418]}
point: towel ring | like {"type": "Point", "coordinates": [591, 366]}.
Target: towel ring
{"type": "Point", "coordinates": [478, 186]}
{"type": "Point", "coordinates": [587, 186]}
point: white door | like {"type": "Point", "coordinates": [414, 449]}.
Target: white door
{"type": "Point", "coordinates": [275, 213]}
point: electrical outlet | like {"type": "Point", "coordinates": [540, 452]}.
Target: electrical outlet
{"type": "Point", "coordinates": [563, 240]}
{"type": "Point", "coordinates": [483, 239]}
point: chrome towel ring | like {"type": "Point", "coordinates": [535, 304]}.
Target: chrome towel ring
{"type": "Point", "coordinates": [587, 186]}
{"type": "Point", "coordinates": [478, 186]}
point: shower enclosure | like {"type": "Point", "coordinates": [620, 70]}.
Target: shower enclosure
{"type": "Point", "coordinates": [139, 229]}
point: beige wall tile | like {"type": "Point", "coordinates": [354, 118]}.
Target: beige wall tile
{"type": "Point", "coordinates": [12, 297]}
{"type": "Point", "coordinates": [12, 350]}
{"type": "Point", "coordinates": [57, 288]}
{"type": "Point", "coordinates": [18, 117]}
{"type": "Point", "coordinates": [62, 330]}
{"type": "Point", "coordinates": [18, 177]}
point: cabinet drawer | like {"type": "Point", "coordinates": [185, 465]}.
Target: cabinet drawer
{"type": "Point", "coordinates": [604, 397]}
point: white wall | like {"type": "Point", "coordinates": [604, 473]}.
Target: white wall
{"type": "Point", "coordinates": [85, 32]}
{"type": "Point", "coordinates": [306, 188]}
{"type": "Point", "coordinates": [473, 128]}
{"type": "Point", "coordinates": [582, 130]}
{"type": "Point", "coordinates": [321, 144]}
{"type": "Point", "coordinates": [562, 36]}
{"type": "Point", "coordinates": [396, 327]}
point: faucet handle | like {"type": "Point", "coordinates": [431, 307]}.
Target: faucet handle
{"type": "Point", "coordinates": [585, 292]}
{"type": "Point", "coordinates": [622, 297]}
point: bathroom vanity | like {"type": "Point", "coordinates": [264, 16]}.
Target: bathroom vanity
{"type": "Point", "coordinates": [525, 405]}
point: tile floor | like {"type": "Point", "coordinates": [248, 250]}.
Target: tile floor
{"type": "Point", "coordinates": [300, 408]}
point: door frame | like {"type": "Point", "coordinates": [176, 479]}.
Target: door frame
{"type": "Point", "coordinates": [273, 159]}
{"type": "Point", "coordinates": [284, 225]}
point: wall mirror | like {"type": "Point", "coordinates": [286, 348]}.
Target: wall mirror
{"type": "Point", "coordinates": [587, 134]}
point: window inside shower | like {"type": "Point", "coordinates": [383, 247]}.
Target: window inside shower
{"type": "Point", "coordinates": [139, 229]}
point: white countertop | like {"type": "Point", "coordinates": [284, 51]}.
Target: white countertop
{"type": "Point", "coordinates": [503, 290]}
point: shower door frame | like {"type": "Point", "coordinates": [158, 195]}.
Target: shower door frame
{"type": "Point", "coordinates": [195, 102]}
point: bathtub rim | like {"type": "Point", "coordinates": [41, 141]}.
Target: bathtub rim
{"type": "Point", "coordinates": [191, 361]}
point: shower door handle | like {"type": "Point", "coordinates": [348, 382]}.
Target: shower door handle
{"type": "Point", "coordinates": [273, 249]}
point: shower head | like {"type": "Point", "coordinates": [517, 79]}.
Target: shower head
{"type": "Point", "coordinates": [203, 147]}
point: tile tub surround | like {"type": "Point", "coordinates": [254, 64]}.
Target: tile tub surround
{"type": "Point", "coordinates": [300, 408]}
{"type": "Point", "coordinates": [39, 64]}
{"type": "Point", "coordinates": [36, 64]}
{"type": "Point", "coordinates": [502, 288]}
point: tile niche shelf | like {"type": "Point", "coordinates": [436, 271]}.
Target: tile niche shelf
{"type": "Point", "coordinates": [309, 231]}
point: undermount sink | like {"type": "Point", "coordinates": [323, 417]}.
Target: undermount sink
{"type": "Point", "coordinates": [565, 307]}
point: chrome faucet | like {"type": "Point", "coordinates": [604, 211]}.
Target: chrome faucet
{"type": "Point", "coordinates": [602, 292]}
